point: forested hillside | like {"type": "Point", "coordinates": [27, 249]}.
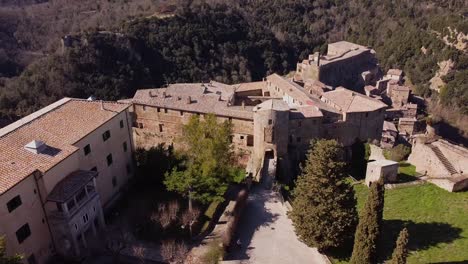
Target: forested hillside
{"type": "Point", "coordinates": [230, 42]}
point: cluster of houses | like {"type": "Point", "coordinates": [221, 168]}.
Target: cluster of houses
{"type": "Point", "coordinates": [63, 166]}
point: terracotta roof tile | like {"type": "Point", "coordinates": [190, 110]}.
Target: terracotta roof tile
{"type": "Point", "coordinates": [59, 126]}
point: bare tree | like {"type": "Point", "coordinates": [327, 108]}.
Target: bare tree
{"type": "Point", "coordinates": [173, 208]}
{"type": "Point", "coordinates": [190, 217]}
{"type": "Point", "coordinates": [174, 252]}
{"type": "Point", "coordinates": [139, 253]}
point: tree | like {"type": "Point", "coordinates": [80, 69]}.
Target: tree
{"type": "Point", "coordinates": [4, 259]}
{"type": "Point", "coordinates": [370, 222]}
{"type": "Point", "coordinates": [324, 207]}
{"type": "Point", "coordinates": [210, 162]}
{"type": "Point", "coordinates": [401, 251]}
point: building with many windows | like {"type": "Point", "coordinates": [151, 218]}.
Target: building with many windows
{"type": "Point", "coordinates": [60, 167]}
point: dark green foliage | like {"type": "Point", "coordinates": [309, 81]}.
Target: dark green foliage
{"type": "Point", "coordinates": [210, 166]}
{"type": "Point", "coordinates": [401, 250]}
{"type": "Point", "coordinates": [232, 41]}
{"type": "Point", "coordinates": [324, 207]}
{"type": "Point", "coordinates": [16, 259]}
{"type": "Point", "coordinates": [153, 163]}
{"type": "Point", "coordinates": [397, 153]}
{"type": "Point", "coordinates": [366, 239]}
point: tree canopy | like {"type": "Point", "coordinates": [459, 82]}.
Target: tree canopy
{"type": "Point", "coordinates": [4, 259]}
{"type": "Point", "coordinates": [210, 165]}
{"type": "Point", "coordinates": [324, 207]}
{"type": "Point", "coordinates": [369, 228]}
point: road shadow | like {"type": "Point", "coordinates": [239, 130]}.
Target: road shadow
{"type": "Point", "coordinates": [422, 236]}
{"type": "Point", "coordinates": [254, 216]}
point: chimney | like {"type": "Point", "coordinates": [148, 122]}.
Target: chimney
{"type": "Point", "coordinates": [102, 105]}
{"type": "Point", "coordinates": [189, 100]}
{"type": "Point", "coordinates": [317, 58]}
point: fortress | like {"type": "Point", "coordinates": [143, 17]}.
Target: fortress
{"type": "Point", "coordinates": [275, 118]}
{"type": "Point", "coordinates": [346, 64]}
{"type": "Point", "coordinates": [64, 165]}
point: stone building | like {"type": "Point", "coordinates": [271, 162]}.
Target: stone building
{"type": "Point", "coordinates": [346, 64]}
{"type": "Point", "coordinates": [445, 164]}
{"type": "Point", "coordinates": [58, 171]}
{"type": "Point", "coordinates": [386, 169]}
{"type": "Point", "coordinates": [275, 116]}
{"type": "Point", "coordinates": [389, 135]}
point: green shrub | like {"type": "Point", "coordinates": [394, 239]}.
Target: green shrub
{"type": "Point", "coordinates": [214, 254]}
{"type": "Point", "coordinates": [398, 153]}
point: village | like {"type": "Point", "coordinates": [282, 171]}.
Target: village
{"type": "Point", "coordinates": [66, 168]}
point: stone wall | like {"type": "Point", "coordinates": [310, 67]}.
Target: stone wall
{"type": "Point", "coordinates": [155, 125]}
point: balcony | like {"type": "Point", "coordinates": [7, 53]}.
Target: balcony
{"type": "Point", "coordinates": [70, 194]}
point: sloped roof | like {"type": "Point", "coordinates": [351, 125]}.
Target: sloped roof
{"type": "Point", "coordinates": [70, 185]}
{"type": "Point", "coordinates": [349, 101]}
{"type": "Point", "coordinates": [199, 98]}
{"type": "Point", "coordinates": [59, 126]}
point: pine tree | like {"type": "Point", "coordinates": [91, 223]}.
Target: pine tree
{"type": "Point", "coordinates": [8, 260]}
{"type": "Point", "coordinates": [324, 208]}
{"type": "Point", "coordinates": [370, 222]}
{"type": "Point", "coordinates": [401, 251]}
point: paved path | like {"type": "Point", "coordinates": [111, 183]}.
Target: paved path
{"type": "Point", "coordinates": [267, 234]}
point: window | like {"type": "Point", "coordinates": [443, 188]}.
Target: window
{"type": "Point", "coordinates": [124, 146]}
{"type": "Point", "coordinates": [106, 135]}
{"type": "Point", "coordinates": [76, 227]}
{"type": "Point", "coordinates": [85, 218]}
{"type": "Point", "coordinates": [70, 204]}
{"type": "Point", "coordinates": [140, 125]}
{"type": "Point", "coordinates": [250, 141]}
{"type": "Point", "coordinates": [159, 110]}
{"type": "Point", "coordinates": [241, 137]}
{"type": "Point", "coordinates": [114, 181]}
{"type": "Point", "coordinates": [80, 196]}
{"type": "Point", "coordinates": [270, 121]}
{"type": "Point", "coordinates": [367, 114]}
{"type": "Point", "coordinates": [23, 233]}
{"type": "Point", "coordinates": [109, 159]}
{"type": "Point", "coordinates": [181, 113]}
{"type": "Point", "coordinates": [161, 127]}
{"type": "Point", "coordinates": [32, 259]}
{"type": "Point", "coordinates": [14, 203]}
{"type": "Point", "coordinates": [94, 169]}
{"type": "Point", "coordinates": [299, 124]}
{"type": "Point", "coordinates": [121, 124]}
{"type": "Point", "coordinates": [87, 149]}
{"type": "Point", "coordinates": [165, 110]}
{"type": "Point", "coordinates": [144, 108]}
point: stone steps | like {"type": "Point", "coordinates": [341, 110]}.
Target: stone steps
{"type": "Point", "coordinates": [447, 164]}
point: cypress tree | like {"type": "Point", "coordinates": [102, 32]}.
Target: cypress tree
{"type": "Point", "coordinates": [401, 251]}
{"type": "Point", "coordinates": [368, 230]}
{"type": "Point", "coordinates": [324, 207]}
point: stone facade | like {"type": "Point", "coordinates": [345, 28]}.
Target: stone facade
{"type": "Point", "coordinates": [445, 164]}
{"type": "Point", "coordinates": [276, 116]}
{"type": "Point", "coordinates": [346, 64]}
{"type": "Point", "coordinates": [386, 169]}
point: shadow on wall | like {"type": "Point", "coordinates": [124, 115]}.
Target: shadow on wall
{"type": "Point", "coordinates": [421, 235]}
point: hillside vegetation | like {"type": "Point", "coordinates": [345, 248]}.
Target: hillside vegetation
{"type": "Point", "coordinates": [229, 41]}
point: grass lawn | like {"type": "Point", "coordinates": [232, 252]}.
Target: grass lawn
{"type": "Point", "coordinates": [406, 172]}
{"type": "Point", "coordinates": [437, 221]}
